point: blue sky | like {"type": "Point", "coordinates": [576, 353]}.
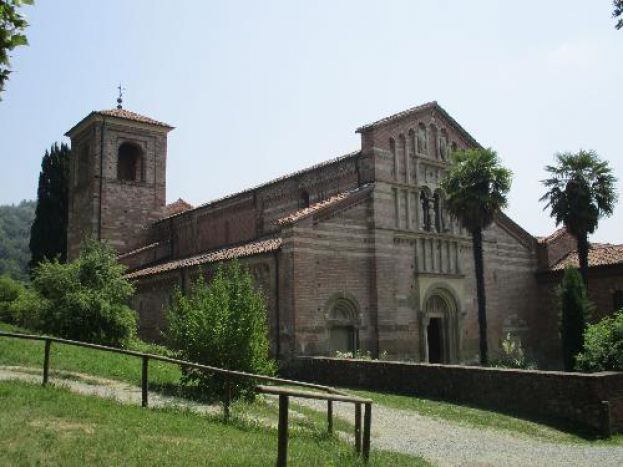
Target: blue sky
{"type": "Point", "coordinates": [259, 89]}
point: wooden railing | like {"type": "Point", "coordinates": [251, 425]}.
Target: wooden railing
{"type": "Point", "coordinates": [332, 394]}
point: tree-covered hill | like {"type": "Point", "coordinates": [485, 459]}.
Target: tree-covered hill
{"type": "Point", "coordinates": [15, 222]}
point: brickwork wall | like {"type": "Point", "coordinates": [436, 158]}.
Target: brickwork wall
{"type": "Point", "coordinates": [573, 397]}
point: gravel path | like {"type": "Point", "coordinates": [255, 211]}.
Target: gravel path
{"type": "Point", "coordinates": [440, 441]}
{"type": "Point", "coordinates": [448, 444]}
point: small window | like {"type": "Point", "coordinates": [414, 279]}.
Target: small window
{"type": "Point", "coordinates": [130, 163]}
{"type": "Point", "coordinates": [617, 300]}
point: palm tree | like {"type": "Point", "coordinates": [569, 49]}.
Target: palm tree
{"type": "Point", "coordinates": [579, 192]}
{"type": "Point", "coordinates": [476, 187]}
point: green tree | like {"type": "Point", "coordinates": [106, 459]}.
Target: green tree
{"type": "Point", "coordinates": [12, 26]}
{"type": "Point", "coordinates": [580, 191]}
{"type": "Point", "coordinates": [48, 235]}
{"type": "Point", "coordinates": [576, 311]}
{"type": "Point", "coordinates": [618, 12]}
{"type": "Point", "coordinates": [476, 187]}
{"type": "Point", "coordinates": [223, 324]}
{"type": "Point", "coordinates": [603, 345]}
{"type": "Point", "coordinates": [87, 299]}
{"type": "Point", "coordinates": [15, 222]}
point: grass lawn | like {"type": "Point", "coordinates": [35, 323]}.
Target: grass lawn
{"type": "Point", "coordinates": [475, 417]}
{"type": "Point", "coordinates": [94, 362]}
{"type": "Point", "coordinates": [53, 426]}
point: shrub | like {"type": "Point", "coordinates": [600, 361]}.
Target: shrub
{"type": "Point", "coordinates": [10, 290]}
{"type": "Point", "coordinates": [576, 310]}
{"type": "Point", "coordinates": [512, 355]}
{"type": "Point", "coordinates": [19, 304]}
{"type": "Point", "coordinates": [87, 299]}
{"type": "Point", "coordinates": [603, 345]}
{"type": "Point", "coordinates": [222, 324]}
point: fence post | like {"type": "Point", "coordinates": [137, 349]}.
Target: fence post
{"type": "Point", "coordinates": [282, 448]}
{"type": "Point", "coordinates": [226, 400]}
{"type": "Point", "coordinates": [367, 421]}
{"type": "Point", "coordinates": [605, 415]}
{"type": "Point", "coordinates": [330, 416]}
{"type": "Point", "coordinates": [145, 383]}
{"type": "Point", "coordinates": [358, 427]}
{"type": "Point", "coordinates": [46, 361]}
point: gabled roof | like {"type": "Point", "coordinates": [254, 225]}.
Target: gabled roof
{"type": "Point", "coordinates": [224, 254]}
{"type": "Point", "coordinates": [417, 109]}
{"type": "Point", "coordinates": [598, 255]}
{"type": "Point", "coordinates": [122, 114]}
{"type": "Point", "coordinates": [176, 207]}
{"type": "Point", "coordinates": [514, 229]}
{"type": "Point", "coordinates": [553, 236]}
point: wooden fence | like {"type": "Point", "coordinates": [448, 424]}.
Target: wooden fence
{"type": "Point", "coordinates": [362, 440]}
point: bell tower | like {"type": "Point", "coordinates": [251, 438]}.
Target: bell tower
{"type": "Point", "coordinates": [117, 178]}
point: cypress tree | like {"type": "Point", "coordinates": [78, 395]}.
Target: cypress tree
{"type": "Point", "coordinates": [576, 311]}
{"type": "Point", "coordinates": [48, 234]}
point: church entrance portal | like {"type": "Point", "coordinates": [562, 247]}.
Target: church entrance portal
{"type": "Point", "coordinates": [435, 346]}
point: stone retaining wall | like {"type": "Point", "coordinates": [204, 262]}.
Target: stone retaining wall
{"type": "Point", "coordinates": [593, 401]}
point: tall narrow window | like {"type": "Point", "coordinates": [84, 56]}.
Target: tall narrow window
{"type": "Point", "coordinates": [443, 145]}
{"type": "Point", "coordinates": [438, 203]}
{"type": "Point", "coordinates": [426, 220]}
{"type": "Point", "coordinates": [392, 149]}
{"type": "Point", "coordinates": [130, 163]}
{"type": "Point", "coordinates": [304, 199]}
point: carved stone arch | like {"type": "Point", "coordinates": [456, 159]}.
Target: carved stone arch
{"type": "Point", "coordinates": [440, 323]}
{"type": "Point", "coordinates": [343, 318]}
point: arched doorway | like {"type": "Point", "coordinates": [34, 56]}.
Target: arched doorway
{"type": "Point", "coordinates": [439, 327]}
{"type": "Point", "coordinates": [343, 325]}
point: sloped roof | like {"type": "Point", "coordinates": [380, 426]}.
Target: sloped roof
{"type": "Point", "coordinates": [271, 182]}
{"type": "Point", "coordinates": [138, 250]}
{"type": "Point", "coordinates": [598, 255]}
{"type": "Point", "coordinates": [176, 207]}
{"type": "Point", "coordinates": [224, 254]}
{"type": "Point", "coordinates": [419, 108]}
{"type": "Point", "coordinates": [330, 202]}
{"type": "Point", "coordinates": [553, 236]}
{"type": "Point", "coordinates": [123, 114]}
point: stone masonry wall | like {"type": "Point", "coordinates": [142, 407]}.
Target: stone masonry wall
{"type": "Point", "coordinates": [554, 396]}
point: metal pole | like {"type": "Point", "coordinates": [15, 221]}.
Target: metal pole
{"type": "Point", "coordinates": [282, 449]}
{"type": "Point", "coordinates": [358, 427]}
{"type": "Point", "coordinates": [46, 361]}
{"type": "Point", "coordinates": [145, 384]}
{"type": "Point", "coordinates": [367, 422]}
{"type": "Point", "coordinates": [330, 416]}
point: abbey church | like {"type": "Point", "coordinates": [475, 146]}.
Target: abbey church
{"type": "Point", "coordinates": [355, 253]}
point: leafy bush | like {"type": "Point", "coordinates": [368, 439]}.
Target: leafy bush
{"type": "Point", "coordinates": [603, 345]}
{"type": "Point", "coordinates": [19, 304]}
{"type": "Point", "coordinates": [222, 324]}
{"type": "Point", "coordinates": [512, 355]}
{"type": "Point", "coordinates": [576, 311]}
{"type": "Point", "coordinates": [87, 299]}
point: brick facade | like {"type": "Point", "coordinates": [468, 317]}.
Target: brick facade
{"type": "Point", "coordinates": [357, 252]}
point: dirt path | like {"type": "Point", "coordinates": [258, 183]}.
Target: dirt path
{"type": "Point", "coordinates": [442, 442]}
{"type": "Point", "coordinates": [449, 444]}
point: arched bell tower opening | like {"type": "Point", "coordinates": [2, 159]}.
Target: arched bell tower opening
{"type": "Point", "coordinates": [130, 163]}
{"type": "Point", "coordinates": [439, 330]}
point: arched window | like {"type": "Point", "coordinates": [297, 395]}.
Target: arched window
{"type": "Point", "coordinates": [130, 163]}
{"type": "Point", "coordinates": [392, 150]}
{"type": "Point", "coordinates": [412, 143]}
{"type": "Point", "coordinates": [433, 143]}
{"type": "Point", "coordinates": [343, 329]}
{"type": "Point", "coordinates": [443, 145]}
{"type": "Point", "coordinates": [304, 199]}
{"type": "Point", "coordinates": [438, 204]}
{"type": "Point", "coordinates": [401, 167]}
{"type": "Point", "coordinates": [426, 214]}
{"type": "Point", "coordinates": [422, 147]}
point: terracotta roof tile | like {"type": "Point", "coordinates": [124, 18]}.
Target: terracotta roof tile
{"type": "Point", "coordinates": [598, 255]}
{"type": "Point", "coordinates": [319, 206]}
{"type": "Point", "coordinates": [241, 251]}
{"type": "Point", "coordinates": [128, 115]}
{"type": "Point", "coordinates": [176, 207]}
{"type": "Point", "coordinates": [138, 250]}
{"type": "Point", "coordinates": [419, 108]}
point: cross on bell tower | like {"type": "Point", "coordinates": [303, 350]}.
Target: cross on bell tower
{"type": "Point", "coordinates": [120, 97]}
